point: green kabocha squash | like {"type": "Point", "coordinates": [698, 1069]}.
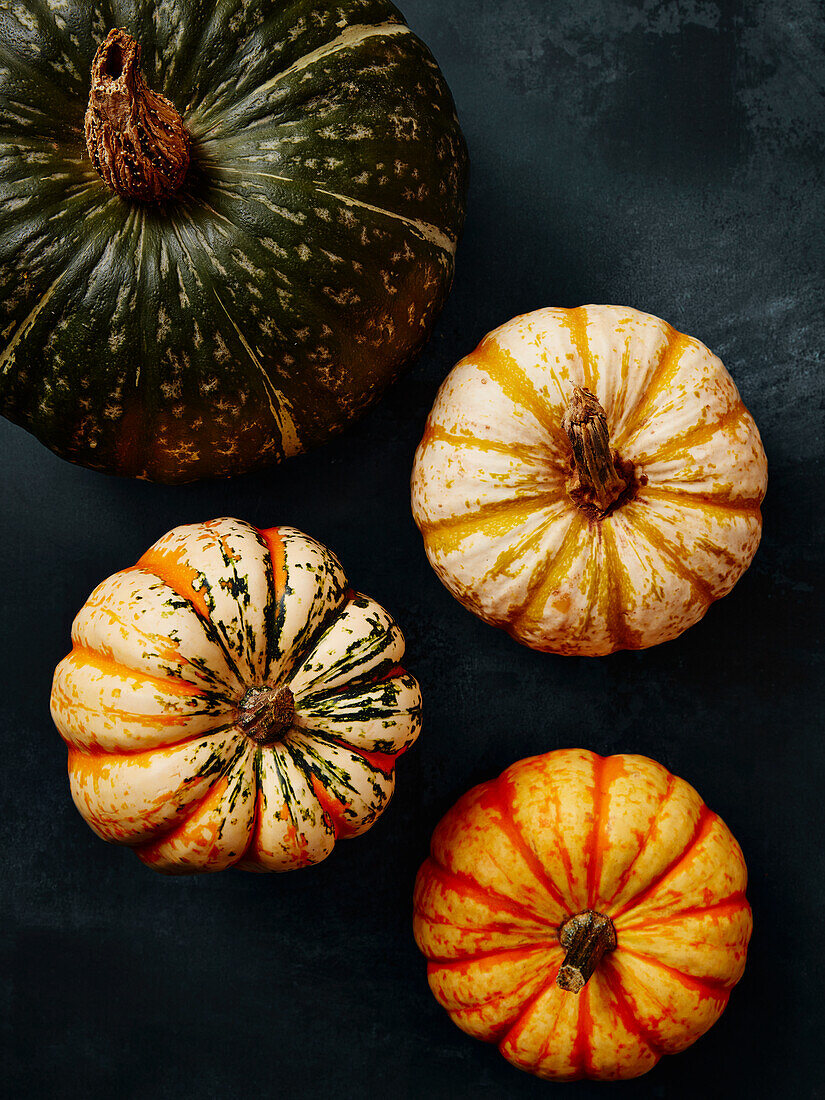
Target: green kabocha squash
{"type": "Point", "coordinates": [224, 227]}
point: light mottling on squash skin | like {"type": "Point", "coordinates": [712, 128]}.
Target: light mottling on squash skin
{"type": "Point", "coordinates": [489, 482]}
{"type": "Point", "coordinates": [297, 271]}
{"type": "Point", "coordinates": [555, 835]}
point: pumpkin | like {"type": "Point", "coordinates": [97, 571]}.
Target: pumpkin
{"type": "Point", "coordinates": [224, 228]}
{"type": "Point", "coordinates": [587, 914]}
{"type": "Point", "coordinates": [230, 701]}
{"type": "Point", "coordinates": [589, 480]}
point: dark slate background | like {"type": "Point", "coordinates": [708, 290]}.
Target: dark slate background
{"type": "Point", "coordinates": [656, 153]}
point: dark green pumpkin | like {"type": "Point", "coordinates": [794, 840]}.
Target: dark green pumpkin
{"type": "Point", "coordinates": [299, 268]}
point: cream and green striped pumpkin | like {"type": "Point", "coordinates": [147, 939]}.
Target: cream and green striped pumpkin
{"type": "Point", "coordinates": [167, 658]}
{"type": "Point", "coordinates": [299, 268]}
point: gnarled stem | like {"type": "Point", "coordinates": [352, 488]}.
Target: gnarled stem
{"type": "Point", "coordinates": [265, 714]}
{"type": "Point", "coordinates": [594, 482]}
{"type": "Point", "coordinates": [585, 937]}
{"type": "Point", "coordinates": [135, 137]}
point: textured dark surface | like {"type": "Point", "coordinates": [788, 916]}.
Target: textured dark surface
{"type": "Point", "coordinates": [659, 154]}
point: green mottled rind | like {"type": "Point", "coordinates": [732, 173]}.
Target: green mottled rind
{"type": "Point", "coordinates": [300, 268]}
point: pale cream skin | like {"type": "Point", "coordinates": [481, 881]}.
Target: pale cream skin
{"type": "Point", "coordinates": [489, 482]}
{"type": "Point", "coordinates": [149, 702]}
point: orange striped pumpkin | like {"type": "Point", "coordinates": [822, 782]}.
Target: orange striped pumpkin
{"type": "Point", "coordinates": [589, 480]}
{"type": "Point", "coordinates": [586, 914]}
{"type": "Point", "coordinates": [231, 701]}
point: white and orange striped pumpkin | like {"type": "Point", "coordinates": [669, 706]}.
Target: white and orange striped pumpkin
{"type": "Point", "coordinates": [587, 914]}
{"type": "Point", "coordinates": [589, 480]}
{"type": "Point", "coordinates": [230, 701]}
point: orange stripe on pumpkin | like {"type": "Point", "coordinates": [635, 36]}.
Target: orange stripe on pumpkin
{"type": "Point", "coordinates": [196, 822]}
{"type": "Point", "coordinates": [333, 808]}
{"type": "Point", "coordinates": [277, 557]}
{"type": "Point", "coordinates": [110, 667]}
{"type": "Point", "coordinates": [175, 572]}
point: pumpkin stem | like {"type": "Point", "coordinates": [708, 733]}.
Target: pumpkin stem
{"type": "Point", "coordinates": [585, 937]}
{"type": "Point", "coordinates": [265, 715]}
{"type": "Point", "coordinates": [594, 482]}
{"type": "Point", "coordinates": [136, 139]}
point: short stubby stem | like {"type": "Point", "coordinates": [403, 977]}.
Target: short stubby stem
{"type": "Point", "coordinates": [595, 482]}
{"type": "Point", "coordinates": [136, 139]}
{"type": "Point", "coordinates": [265, 714]}
{"type": "Point", "coordinates": [585, 938]}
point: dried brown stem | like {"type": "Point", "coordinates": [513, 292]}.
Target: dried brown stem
{"type": "Point", "coordinates": [585, 938]}
{"type": "Point", "coordinates": [266, 714]}
{"type": "Point", "coordinates": [594, 482]}
{"type": "Point", "coordinates": [136, 139]}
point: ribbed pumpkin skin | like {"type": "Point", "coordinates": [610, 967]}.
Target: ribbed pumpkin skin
{"type": "Point", "coordinates": [162, 656]}
{"type": "Point", "coordinates": [301, 266]}
{"type": "Point", "coordinates": [557, 835]}
{"type": "Point", "coordinates": [488, 484]}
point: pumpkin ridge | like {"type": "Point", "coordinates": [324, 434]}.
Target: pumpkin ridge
{"type": "Point", "coordinates": [617, 628]}
{"type": "Point", "coordinates": [550, 572]}
{"type": "Point", "coordinates": [733, 903]}
{"type": "Point", "coordinates": [592, 575]}
{"type": "Point", "coordinates": [462, 883]}
{"type": "Point", "coordinates": [663, 373]}
{"type": "Point", "coordinates": [501, 366]}
{"type": "Point", "coordinates": [298, 838]}
{"type": "Point", "coordinates": [711, 987]}
{"type": "Point", "coordinates": [704, 822]}
{"type": "Point", "coordinates": [658, 540]}
{"type": "Point", "coordinates": [654, 820]}
{"type": "Point", "coordinates": [626, 1013]}
{"type": "Point", "coordinates": [332, 807]}
{"type": "Point", "coordinates": [491, 1000]}
{"type": "Point", "coordinates": [383, 762]}
{"type": "Point", "coordinates": [526, 1008]}
{"type": "Point", "coordinates": [179, 826]}
{"type": "Point", "coordinates": [695, 436]}
{"type": "Point", "coordinates": [518, 839]}
{"type": "Point", "coordinates": [602, 782]}
{"type": "Point", "coordinates": [134, 754]}
{"type": "Point", "coordinates": [175, 580]}
{"type": "Point", "coordinates": [456, 962]}
{"type": "Point", "coordinates": [255, 820]}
